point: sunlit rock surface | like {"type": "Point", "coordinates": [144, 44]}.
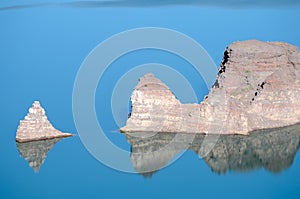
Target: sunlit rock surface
{"type": "Point", "coordinates": [257, 87]}
{"type": "Point", "coordinates": [35, 152]}
{"type": "Point", "coordinates": [36, 126]}
{"type": "Point", "coordinates": [273, 150]}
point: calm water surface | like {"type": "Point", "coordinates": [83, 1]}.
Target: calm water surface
{"type": "Point", "coordinates": [42, 48]}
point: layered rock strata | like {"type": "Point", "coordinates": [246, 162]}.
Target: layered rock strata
{"type": "Point", "coordinates": [257, 87]}
{"type": "Point", "coordinates": [36, 126]}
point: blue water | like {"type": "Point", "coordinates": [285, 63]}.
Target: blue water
{"type": "Point", "coordinates": [41, 50]}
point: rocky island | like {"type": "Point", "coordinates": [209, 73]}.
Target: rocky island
{"type": "Point", "coordinates": [257, 87]}
{"type": "Point", "coordinates": [36, 126]}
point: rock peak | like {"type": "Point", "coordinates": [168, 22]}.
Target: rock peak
{"type": "Point", "coordinates": [36, 112]}
{"type": "Point", "coordinates": [36, 126]}
{"type": "Point", "coordinates": [150, 82]}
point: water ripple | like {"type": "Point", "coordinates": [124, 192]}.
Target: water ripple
{"type": "Point", "coordinates": [157, 3]}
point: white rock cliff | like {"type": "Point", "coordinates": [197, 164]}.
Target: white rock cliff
{"type": "Point", "coordinates": [257, 87]}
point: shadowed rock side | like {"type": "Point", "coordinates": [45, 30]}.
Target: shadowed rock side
{"type": "Point", "coordinates": [257, 87]}
{"type": "Point", "coordinates": [273, 150]}
{"type": "Point", "coordinates": [35, 152]}
{"type": "Point", "coordinates": [36, 126]}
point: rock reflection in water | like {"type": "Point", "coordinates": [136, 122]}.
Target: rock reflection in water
{"type": "Point", "coordinates": [272, 149]}
{"type": "Point", "coordinates": [35, 152]}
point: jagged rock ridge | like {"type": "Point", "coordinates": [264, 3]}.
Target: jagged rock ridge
{"type": "Point", "coordinates": [257, 87]}
{"type": "Point", "coordinates": [36, 126]}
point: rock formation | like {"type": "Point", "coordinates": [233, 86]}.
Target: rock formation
{"type": "Point", "coordinates": [35, 152]}
{"type": "Point", "coordinates": [257, 87]}
{"type": "Point", "coordinates": [36, 126]}
{"type": "Point", "coordinates": [273, 150]}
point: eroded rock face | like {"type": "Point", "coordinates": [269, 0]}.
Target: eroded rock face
{"type": "Point", "coordinates": [36, 126]}
{"type": "Point", "coordinates": [257, 87]}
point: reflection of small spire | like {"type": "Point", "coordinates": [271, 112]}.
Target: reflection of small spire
{"type": "Point", "coordinates": [36, 152]}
